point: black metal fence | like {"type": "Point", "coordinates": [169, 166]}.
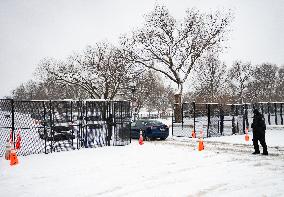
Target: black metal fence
{"type": "Point", "coordinates": [216, 119]}
{"type": "Point", "coordinates": [48, 126]}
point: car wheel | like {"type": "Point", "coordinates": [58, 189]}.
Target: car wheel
{"type": "Point", "coordinates": [162, 138]}
{"type": "Point", "coordinates": [147, 138]}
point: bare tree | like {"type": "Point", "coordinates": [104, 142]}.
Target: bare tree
{"type": "Point", "coordinates": [280, 85]}
{"type": "Point", "coordinates": [263, 85]}
{"type": "Point", "coordinates": [26, 91]}
{"type": "Point", "coordinates": [211, 77]}
{"type": "Point", "coordinates": [239, 76]}
{"type": "Point", "coordinates": [155, 97]}
{"type": "Point", "coordinates": [35, 90]}
{"type": "Point", "coordinates": [99, 70]}
{"type": "Point", "coordinates": [173, 48]}
{"type": "Point", "coordinates": [19, 93]}
{"type": "Point", "coordinates": [148, 90]}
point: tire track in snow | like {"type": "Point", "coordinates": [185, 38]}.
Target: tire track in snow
{"type": "Point", "coordinates": [223, 147]}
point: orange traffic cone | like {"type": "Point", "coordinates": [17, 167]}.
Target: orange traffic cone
{"type": "Point", "coordinates": [13, 158]}
{"type": "Point", "coordinates": [200, 142]}
{"type": "Point", "coordinates": [193, 135]}
{"type": "Point", "coordinates": [247, 136]}
{"type": "Point", "coordinates": [141, 138]}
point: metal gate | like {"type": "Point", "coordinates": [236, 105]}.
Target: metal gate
{"type": "Point", "coordinates": [48, 126]}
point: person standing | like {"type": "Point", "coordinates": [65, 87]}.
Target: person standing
{"type": "Point", "coordinates": [258, 128]}
{"type": "Point", "coordinates": [221, 120]}
{"type": "Point", "coordinates": [109, 123]}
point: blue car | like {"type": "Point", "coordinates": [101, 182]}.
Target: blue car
{"type": "Point", "coordinates": [151, 129]}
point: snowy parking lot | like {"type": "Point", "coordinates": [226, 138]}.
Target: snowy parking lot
{"type": "Point", "coordinates": [158, 168]}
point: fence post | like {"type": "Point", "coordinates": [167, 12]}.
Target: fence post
{"type": "Point", "coordinates": [84, 132]}
{"type": "Point", "coordinates": [245, 117]}
{"type": "Point", "coordinates": [71, 120]}
{"type": "Point", "coordinates": [44, 127]}
{"type": "Point", "coordinates": [172, 123]}
{"type": "Point", "coordinates": [51, 125]}
{"type": "Point", "coordinates": [233, 119]}
{"type": "Point", "coordinates": [275, 111]}
{"type": "Point", "coordinates": [281, 111]}
{"type": "Point", "coordinates": [221, 122]}
{"type": "Point", "coordinates": [262, 110]}
{"type": "Point", "coordinates": [81, 121]}
{"type": "Point", "coordinates": [208, 118]}
{"type": "Point", "coordinates": [182, 106]}
{"type": "Point", "coordinates": [121, 124]}
{"type": "Point", "coordinates": [128, 112]}
{"type": "Point", "coordinates": [13, 120]}
{"type": "Point", "coordinates": [268, 109]}
{"type": "Point", "coordinates": [193, 103]}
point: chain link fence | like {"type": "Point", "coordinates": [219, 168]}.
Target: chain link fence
{"type": "Point", "coordinates": [48, 126]}
{"type": "Point", "coordinates": [213, 119]}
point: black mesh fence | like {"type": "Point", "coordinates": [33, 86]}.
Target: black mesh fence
{"type": "Point", "coordinates": [94, 130]}
{"type": "Point", "coordinates": [238, 119]}
{"type": "Point", "coordinates": [213, 113]}
{"type": "Point", "coordinates": [47, 126]}
{"type": "Point", "coordinates": [226, 122]}
{"type": "Point", "coordinates": [185, 127]}
{"type": "Point", "coordinates": [28, 116]}
{"type": "Point", "coordinates": [61, 126]}
{"type": "Point", "coordinates": [6, 118]}
{"type": "Point", "coordinates": [122, 119]}
{"type": "Point", "coordinates": [201, 119]}
{"type": "Point", "coordinates": [212, 119]}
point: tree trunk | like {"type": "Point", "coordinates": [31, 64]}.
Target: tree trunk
{"type": "Point", "coordinates": [177, 109]}
{"type": "Point", "coordinates": [178, 105]}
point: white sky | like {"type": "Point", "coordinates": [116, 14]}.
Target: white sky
{"type": "Point", "coordinates": [33, 29]}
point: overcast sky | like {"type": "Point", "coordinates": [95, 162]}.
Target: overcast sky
{"type": "Point", "coordinates": [31, 30]}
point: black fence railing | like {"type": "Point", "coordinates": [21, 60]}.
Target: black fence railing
{"type": "Point", "coordinates": [217, 119]}
{"type": "Point", "coordinates": [48, 126]}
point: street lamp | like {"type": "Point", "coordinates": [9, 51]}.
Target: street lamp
{"type": "Point", "coordinates": [132, 86]}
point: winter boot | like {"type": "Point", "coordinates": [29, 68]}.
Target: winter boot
{"type": "Point", "coordinates": [256, 152]}
{"type": "Point", "coordinates": [256, 147]}
{"type": "Point", "coordinates": [265, 152]}
{"type": "Point", "coordinates": [264, 147]}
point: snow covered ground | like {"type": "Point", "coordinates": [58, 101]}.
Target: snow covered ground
{"type": "Point", "coordinates": [158, 168]}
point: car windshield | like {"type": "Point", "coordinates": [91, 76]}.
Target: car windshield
{"type": "Point", "coordinates": [152, 122]}
{"type": "Point", "coordinates": [141, 123]}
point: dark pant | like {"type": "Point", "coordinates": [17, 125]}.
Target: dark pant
{"type": "Point", "coordinates": [109, 135]}
{"type": "Point", "coordinates": [261, 139]}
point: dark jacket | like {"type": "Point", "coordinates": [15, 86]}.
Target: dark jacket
{"type": "Point", "coordinates": [110, 123]}
{"type": "Point", "coordinates": [258, 125]}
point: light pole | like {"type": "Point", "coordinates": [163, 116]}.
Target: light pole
{"type": "Point", "coordinates": [132, 86]}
